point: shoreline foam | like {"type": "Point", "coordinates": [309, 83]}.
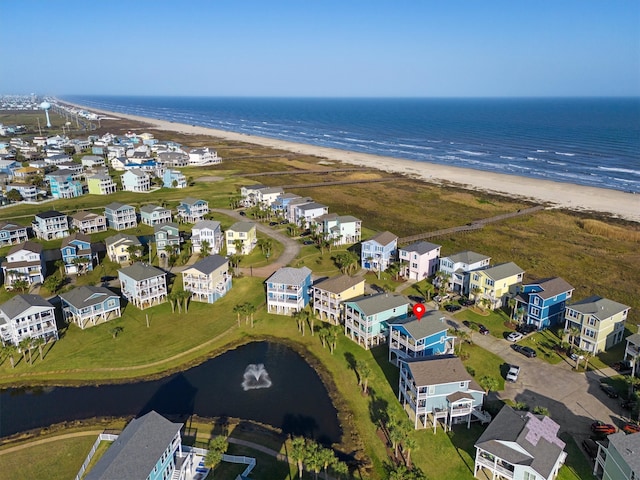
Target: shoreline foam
{"type": "Point", "coordinates": [568, 196]}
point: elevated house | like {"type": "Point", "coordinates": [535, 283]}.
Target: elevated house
{"type": "Point", "coordinates": [77, 255]}
{"type": "Point", "coordinates": [149, 448]}
{"type": "Point", "coordinates": [599, 321]}
{"type": "Point", "coordinates": [632, 352]}
{"type": "Point", "coordinates": [166, 235]}
{"type": "Point", "coordinates": [249, 194]}
{"type": "Point", "coordinates": [618, 457]}
{"type": "Point", "coordinates": [366, 318]}
{"type": "Point", "coordinates": [266, 196]}
{"type": "Point", "coordinates": [120, 216]}
{"type": "Point", "coordinates": [28, 192]}
{"type": "Point", "coordinates": [459, 265]}
{"type": "Point", "coordinates": [143, 285]}
{"type": "Point", "coordinates": [154, 215]}
{"type": "Point", "coordinates": [101, 184]}
{"type": "Point", "coordinates": [87, 306]}
{"type": "Point", "coordinates": [208, 231]}
{"type": "Point", "coordinates": [412, 338]}
{"type": "Point", "coordinates": [24, 262]}
{"type": "Point", "coordinates": [89, 222]}
{"type": "Point", "coordinates": [64, 185]}
{"type": "Point", "coordinates": [543, 302]}
{"type": "Point", "coordinates": [203, 156]}
{"type": "Point", "coordinates": [279, 205]}
{"type": "Point", "coordinates": [171, 159]}
{"type": "Point", "coordinates": [174, 179]}
{"type": "Point", "coordinates": [520, 446]}
{"type": "Point", "coordinates": [92, 161]}
{"type": "Point", "coordinates": [306, 212]}
{"type": "Point", "coordinates": [120, 245]}
{"type": "Point", "coordinates": [291, 208]}
{"type": "Point", "coordinates": [208, 279]}
{"type": "Point", "coordinates": [329, 295]}
{"type": "Point", "coordinates": [245, 234]}
{"type": "Point", "coordinates": [379, 251]}
{"type": "Point", "coordinates": [50, 225]}
{"type": "Point", "coordinates": [135, 180]}
{"type": "Point", "coordinates": [439, 389]}
{"type": "Point", "coordinates": [27, 316]}
{"type": "Point", "coordinates": [288, 290]}
{"type": "Point", "coordinates": [191, 210]}
{"type": "Point", "coordinates": [497, 283]}
{"type": "Point", "coordinates": [12, 234]}
{"type": "Point", "coordinates": [419, 260]}
{"type": "Point", "coordinates": [338, 229]}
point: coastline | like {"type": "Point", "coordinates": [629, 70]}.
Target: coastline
{"type": "Point", "coordinates": [568, 196]}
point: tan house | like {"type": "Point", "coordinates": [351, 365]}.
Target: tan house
{"type": "Point", "coordinates": [118, 247]}
{"type": "Point", "coordinates": [329, 294]}
{"type": "Point", "coordinates": [245, 232]}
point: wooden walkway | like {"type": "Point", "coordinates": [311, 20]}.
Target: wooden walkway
{"type": "Point", "coordinates": [301, 172]}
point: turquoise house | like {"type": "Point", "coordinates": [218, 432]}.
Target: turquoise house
{"type": "Point", "coordinates": [543, 303]}
{"type": "Point", "coordinates": [63, 185]}
{"type": "Point", "coordinates": [366, 319]}
{"type": "Point", "coordinates": [413, 338]}
{"type": "Point", "coordinates": [76, 254]}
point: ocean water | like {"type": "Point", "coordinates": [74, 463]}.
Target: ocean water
{"type": "Point", "coordinates": [585, 141]}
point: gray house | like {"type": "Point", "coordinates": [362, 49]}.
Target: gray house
{"type": "Point", "coordinates": [88, 305]}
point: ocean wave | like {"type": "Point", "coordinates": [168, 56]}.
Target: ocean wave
{"type": "Point", "coordinates": [620, 170]}
{"type": "Point", "coordinates": [541, 151]}
{"type": "Point", "coordinates": [556, 163]}
{"type": "Point", "coordinates": [505, 157]}
{"type": "Point", "coordinates": [566, 154]}
{"type": "Point", "coordinates": [471, 152]}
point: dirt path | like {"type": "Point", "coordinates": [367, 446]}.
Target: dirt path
{"type": "Point", "coordinates": [88, 433]}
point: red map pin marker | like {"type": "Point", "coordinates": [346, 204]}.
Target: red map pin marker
{"type": "Point", "coordinates": [418, 310]}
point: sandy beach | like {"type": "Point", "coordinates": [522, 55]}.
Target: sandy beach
{"type": "Point", "coordinates": [615, 203]}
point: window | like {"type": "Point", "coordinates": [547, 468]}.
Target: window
{"type": "Point", "coordinates": [529, 476]}
{"type": "Point", "coordinates": [592, 320]}
{"type": "Point", "coordinates": [432, 389]}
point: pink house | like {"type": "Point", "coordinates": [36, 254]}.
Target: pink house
{"type": "Point", "coordinates": [419, 260]}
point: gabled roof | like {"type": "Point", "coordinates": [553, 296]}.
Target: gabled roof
{"type": "Point", "coordinates": [122, 237]}
{"type": "Point", "coordinates": [28, 245]}
{"type": "Point", "coordinates": [242, 227]}
{"type": "Point", "coordinates": [137, 450]}
{"type": "Point", "coordinates": [503, 270]}
{"type": "Point", "coordinates": [11, 226]}
{"type": "Point", "coordinates": [117, 206]}
{"type": "Point", "coordinates": [628, 446]}
{"type": "Point", "coordinates": [21, 303]}
{"type": "Point", "coordinates": [537, 443]}
{"type": "Point", "coordinates": [468, 257]}
{"type": "Point", "coordinates": [270, 190]}
{"type": "Point", "coordinates": [290, 276]}
{"type": "Point", "coordinates": [311, 206]}
{"type": "Point", "coordinates": [599, 307]}
{"type": "Point", "coordinates": [169, 227]}
{"type": "Point", "coordinates": [209, 264]}
{"type": "Point", "coordinates": [50, 214]}
{"type": "Point", "coordinates": [85, 215]}
{"type": "Point", "coordinates": [348, 219]}
{"type": "Point", "coordinates": [374, 304]}
{"type": "Point", "coordinates": [431, 323]}
{"type": "Point", "coordinates": [191, 201]}
{"type": "Point", "coordinates": [76, 236]}
{"type": "Point", "coordinates": [634, 339]}
{"type": "Point", "coordinates": [551, 287]}
{"type": "Point", "coordinates": [383, 238]}
{"type": "Point", "coordinates": [206, 224]}
{"type": "Point", "coordinates": [439, 369]}
{"type": "Point", "coordinates": [87, 295]}
{"type": "Point", "coordinates": [339, 284]}
{"type": "Point", "coordinates": [421, 247]}
{"type": "Point", "coordinates": [153, 208]}
{"type": "Point", "coordinates": [141, 271]}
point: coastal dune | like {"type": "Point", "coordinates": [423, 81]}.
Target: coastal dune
{"type": "Point", "coordinates": [569, 196]}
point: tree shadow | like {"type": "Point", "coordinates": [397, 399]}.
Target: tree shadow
{"type": "Point", "coordinates": [302, 426]}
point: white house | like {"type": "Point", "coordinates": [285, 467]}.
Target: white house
{"type": "Point", "coordinates": [208, 231]}
{"type": "Point", "coordinates": [143, 285]}
{"type": "Point", "coordinates": [27, 316]}
{"type": "Point", "coordinates": [459, 265]}
{"type": "Point", "coordinates": [203, 156]}
{"type": "Point", "coordinates": [24, 262]}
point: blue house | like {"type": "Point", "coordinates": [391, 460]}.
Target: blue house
{"type": "Point", "coordinates": [150, 448]}
{"type": "Point", "coordinates": [366, 318]}
{"type": "Point", "coordinates": [439, 389]}
{"type": "Point", "coordinates": [191, 210]}
{"type": "Point", "coordinates": [166, 234]}
{"type": "Point", "coordinates": [76, 254]}
{"type": "Point", "coordinates": [413, 338]}
{"type": "Point", "coordinates": [174, 179]}
{"type": "Point", "coordinates": [379, 251]}
{"type": "Point", "coordinates": [543, 302]}
{"type": "Point", "coordinates": [88, 305]}
{"type": "Point", "coordinates": [288, 290]}
{"type": "Point", "coordinates": [63, 184]}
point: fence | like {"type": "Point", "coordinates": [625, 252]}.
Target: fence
{"type": "Point", "coordinates": [103, 437]}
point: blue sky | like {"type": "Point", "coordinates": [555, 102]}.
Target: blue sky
{"type": "Point", "coordinates": [420, 48]}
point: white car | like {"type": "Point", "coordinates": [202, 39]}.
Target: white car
{"type": "Point", "coordinates": [515, 336]}
{"type": "Point", "coordinates": [512, 375]}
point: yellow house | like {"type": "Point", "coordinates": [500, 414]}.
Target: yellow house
{"type": "Point", "coordinates": [600, 321]}
{"type": "Point", "coordinates": [101, 184]}
{"type": "Point", "coordinates": [244, 232]}
{"type": "Point", "coordinates": [496, 283]}
{"type": "Point", "coordinates": [118, 247]}
{"type": "Point", "coordinates": [329, 294]}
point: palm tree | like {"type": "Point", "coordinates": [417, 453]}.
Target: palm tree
{"type": "Point", "coordinates": [53, 283]}
{"type": "Point", "coordinates": [347, 262]}
{"type": "Point", "coordinates": [238, 309]}
{"type": "Point", "coordinates": [632, 382]}
{"type": "Point", "coordinates": [574, 332]}
{"type": "Point", "coordinates": [238, 245]}
{"type": "Point", "coordinates": [11, 350]}
{"type": "Point", "coordinates": [115, 331]}
{"type": "Point", "coordinates": [428, 290]}
{"type": "Point", "coordinates": [300, 317]}
{"type": "Point", "coordinates": [512, 303]}
{"type": "Point", "coordinates": [298, 450]}
{"type": "Point", "coordinates": [311, 316]}
{"type": "Point", "coordinates": [340, 468]}
{"type": "Point", "coordinates": [39, 342]}
{"type": "Point", "coordinates": [476, 291]}
{"type": "Point", "coordinates": [60, 265]}
{"type": "Point", "coordinates": [364, 372]}
{"type": "Point", "coordinates": [25, 346]}
{"type": "Point", "coordinates": [409, 444]}
{"type": "Point", "coordinates": [21, 284]}
{"type": "Point", "coordinates": [334, 331]}
{"type": "Point", "coordinates": [313, 457]}
{"type": "Point", "coordinates": [172, 301]}
{"type": "Point", "coordinates": [489, 384]}
{"type": "Point", "coordinates": [205, 248]}
{"type": "Point", "coordinates": [394, 270]}
{"type": "Point", "coordinates": [250, 309]}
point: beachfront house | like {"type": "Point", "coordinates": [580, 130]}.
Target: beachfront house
{"type": "Point", "coordinates": [496, 284]}
{"type": "Point", "coordinates": [149, 448]}
{"type": "Point", "coordinates": [121, 246]}
{"type": "Point", "coordinates": [618, 458]}
{"type": "Point", "coordinates": [290, 209]}
{"type": "Point", "coordinates": [27, 192]}
{"type": "Point", "coordinates": [24, 262]}
{"type": "Point", "coordinates": [598, 323]}
{"type": "Point", "coordinates": [338, 229]}
{"type": "Point", "coordinates": [27, 316]}
{"type": "Point", "coordinates": [143, 285]}
{"type": "Point", "coordinates": [306, 212]}
{"type": "Point", "coordinates": [174, 179]}
{"type": "Point", "coordinates": [412, 338]}
{"type": "Point", "coordinates": [244, 233]}
{"type": "Point", "coordinates": [92, 161]}
{"type": "Point", "coordinates": [50, 224]}
{"type": "Point", "coordinates": [135, 180]}
{"type": "Point", "coordinates": [459, 265]}
{"type": "Point", "coordinates": [12, 234]}
{"type": "Point", "coordinates": [279, 205]}
{"type": "Point", "coordinates": [266, 196]}
{"type": "Point", "coordinates": [88, 222]}
{"type": "Point", "coordinates": [154, 215]}
{"type": "Point", "coordinates": [101, 184]}
{"type": "Point", "coordinates": [542, 303]}
{"type": "Point", "coordinates": [87, 306]}
{"type": "Point", "coordinates": [419, 260]}
{"type": "Point", "coordinates": [207, 235]}
{"type": "Point", "coordinates": [63, 184]}
{"type": "Point", "coordinates": [166, 235]}
{"type": "Point", "coordinates": [249, 194]}
{"type": "Point", "coordinates": [77, 255]}
{"type": "Point", "coordinates": [519, 445]}
{"type": "Point", "coordinates": [439, 389]}
{"type": "Point", "coordinates": [171, 159]}
{"type": "Point", "coordinates": [288, 290]}
{"type": "Point", "coordinates": [191, 210]}
{"type": "Point", "coordinates": [208, 279]}
{"type": "Point", "coordinates": [366, 318]}
{"type": "Point", "coordinates": [203, 156]}
{"type": "Point", "coordinates": [379, 251]}
{"type": "Point", "coordinates": [120, 216]}
{"type": "Point", "coordinates": [328, 296]}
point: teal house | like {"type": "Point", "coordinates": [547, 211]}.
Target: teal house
{"type": "Point", "coordinates": [366, 318]}
{"type": "Point", "coordinates": [63, 185]}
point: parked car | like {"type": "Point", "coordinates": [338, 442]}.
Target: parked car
{"type": "Point", "coordinates": [515, 336]}
{"type": "Point", "coordinates": [631, 428]}
{"type": "Point", "coordinates": [574, 356]}
{"type": "Point", "coordinates": [273, 224]}
{"type": "Point", "coordinates": [602, 428]}
{"type": "Point", "coordinates": [416, 298]}
{"type": "Point", "coordinates": [628, 405]}
{"type": "Point", "coordinates": [512, 374]}
{"type": "Point", "coordinates": [452, 307]}
{"type": "Point", "coordinates": [483, 330]}
{"type": "Point", "coordinates": [466, 302]}
{"type": "Point", "coordinates": [526, 328]}
{"type": "Point", "coordinates": [466, 323]}
{"type": "Point", "coordinates": [623, 367]}
{"type": "Point", "coordinates": [440, 298]}
{"type": "Point", "coordinates": [308, 242]}
{"type": "Point", "coordinates": [590, 446]}
{"type": "Point", "coordinates": [526, 351]}
{"type": "Point", "coordinates": [242, 212]}
{"type": "Point", "coordinates": [284, 222]}
{"type": "Point", "coordinates": [609, 390]}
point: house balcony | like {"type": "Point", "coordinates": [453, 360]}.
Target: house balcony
{"type": "Point", "coordinates": [632, 351]}
{"type": "Point", "coordinates": [290, 302]}
{"type": "Point", "coordinates": [497, 466]}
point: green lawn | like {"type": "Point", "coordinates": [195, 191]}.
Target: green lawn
{"type": "Point", "coordinates": [496, 321]}
{"type": "Point", "coordinates": [544, 343]}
